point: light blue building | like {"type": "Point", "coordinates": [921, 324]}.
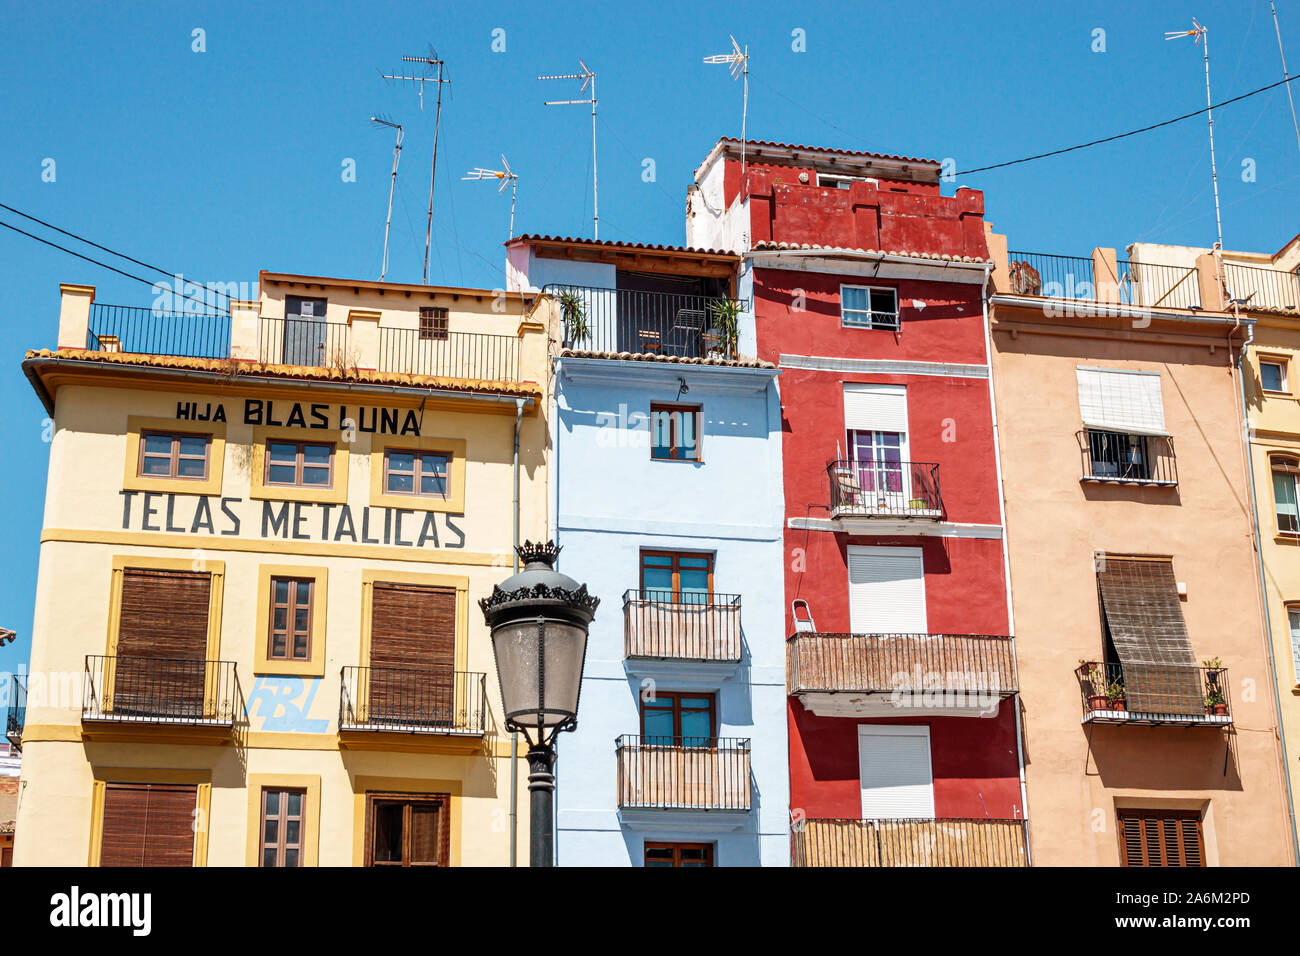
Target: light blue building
{"type": "Point", "coordinates": [666, 470]}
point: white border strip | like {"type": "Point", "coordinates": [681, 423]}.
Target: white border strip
{"type": "Point", "coordinates": [827, 363]}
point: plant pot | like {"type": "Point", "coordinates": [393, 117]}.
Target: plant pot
{"type": "Point", "coordinates": [918, 504]}
{"type": "Point", "coordinates": [1097, 702]}
{"type": "Point", "coordinates": [1219, 710]}
{"type": "Point", "coordinates": [1117, 704]}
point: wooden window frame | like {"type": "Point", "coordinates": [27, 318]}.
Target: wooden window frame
{"type": "Point", "coordinates": [676, 697]}
{"type": "Point", "coordinates": [1142, 813]}
{"type": "Point", "coordinates": [290, 610]}
{"type": "Point", "coordinates": [676, 557]}
{"type": "Point", "coordinates": [417, 472]}
{"type": "Point", "coordinates": [674, 451]}
{"type": "Point", "coordinates": [173, 470]}
{"type": "Point", "coordinates": [438, 327]}
{"type": "Point", "coordinates": [299, 464]}
{"type": "Point", "coordinates": [282, 825]}
{"type": "Point", "coordinates": [870, 324]}
{"type": "Point", "coordinates": [442, 800]}
{"type": "Point", "coordinates": [677, 849]}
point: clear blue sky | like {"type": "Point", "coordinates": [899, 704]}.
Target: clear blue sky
{"type": "Point", "coordinates": [221, 163]}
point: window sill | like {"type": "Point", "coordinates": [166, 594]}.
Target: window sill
{"type": "Point", "coordinates": [1148, 482]}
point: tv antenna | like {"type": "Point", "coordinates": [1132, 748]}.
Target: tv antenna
{"type": "Point", "coordinates": [1203, 33]}
{"type": "Point", "coordinates": [508, 178]}
{"type": "Point", "coordinates": [1285, 75]}
{"type": "Point", "coordinates": [588, 79]}
{"type": "Point", "coordinates": [382, 122]}
{"type": "Point", "coordinates": [430, 63]}
{"type": "Point", "coordinates": [739, 60]}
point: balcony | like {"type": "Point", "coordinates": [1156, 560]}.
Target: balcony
{"type": "Point", "coordinates": [16, 713]}
{"type": "Point", "coordinates": [1255, 288]}
{"type": "Point", "coordinates": [1183, 695]}
{"type": "Point", "coordinates": [1135, 284]}
{"type": "Point", "coordinates": [160, 691]}
{"type": "Point", "coordinates": [122, 328]}
{"type": "Point", "coordinates": [682, 634]}
{"type": "Point", "coordinates": [911, 842]}
{"type": "Point", "coordinates": [619, 320]}
{"type": "Point", "coordinates": [901, 675]}
{"type": "Point", "coordinates": [879, 497]}
{"type": "Point", "coordinates": [687, 776]}
{"type": "Point", "coordinates": [1121, 458]}
{"type": "Point", "coordinates": [412, 701]}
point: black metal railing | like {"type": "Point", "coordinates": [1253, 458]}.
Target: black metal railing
{"type": "Point", "coordinates": [159, 690]}
{"type": "Point", "coordinates": [1040, 273]}
{"type": "Point", "coordinates": [313, 343]}
{"type": "Point", "coordinates": [619, 320]}
{"type": "Point", "coordinates": [447, 354]}
{"type": "Point", "coordinates": [412, 700]}
{"type": "Point", "coordinates": [899, 489]}
{"type": "Point", "coordinates": [1150, 285]}
{"type": "Point", "coordinates": [683, 626]}
{"type": "Point", "coordinates": [1151, 693]}
{"type": "Point", "coordinates": [16, 712]}
{"type": "Point", "coordinates": [949, 667]}
{"type": "Point", "coordinates": [683, 773]}
{"type": "Point", "coordinates": [1260, 288]}
{"type": "Point", "coordinates": [1126, 458]}
{"type": "Point", "coordinates": [921, 841]}
{"type": "Point", "coordinates": [122, 328]}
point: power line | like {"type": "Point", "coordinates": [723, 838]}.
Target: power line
{"type": "Point", "coordinates": [1134, 132]}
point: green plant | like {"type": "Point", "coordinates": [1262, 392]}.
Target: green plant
{"type": "Point", "coordinates": [1116, 690]}
{"type": "Point", "coordinates": [726, 319]}
{"type": "Point", "coordinates": [574, 314]}
{"type": "Point", "coordinates": [1213, 697]}
{"type": "Point", "coordinates": [1093, 678]}
{"type": "Point", "coordinates": [1213, 664]}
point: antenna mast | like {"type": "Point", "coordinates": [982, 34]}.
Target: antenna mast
{"type": "Point", "coordinates": [1203, 33]}
{"type": "Point", "coordinates": [739, 61]}
{"type": "Point", "coordinates": [430, 61]}
{"type": "Point", "coordinates": [507, 177]}
{"type": "Point", "coordinates": [587, 77]}
{"type": "Point", "coordinates": [1285, 75]}
{"type": "Point", "coordinates": [397, 155]}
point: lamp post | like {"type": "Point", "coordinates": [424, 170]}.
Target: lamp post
{"type": "Point", "coordinates": [539, 620]}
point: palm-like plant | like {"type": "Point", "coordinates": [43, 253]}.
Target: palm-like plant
{"type": "Point", "coordinates": [726, 319]}
{"type": "Point", "coordinates": [574, 313]}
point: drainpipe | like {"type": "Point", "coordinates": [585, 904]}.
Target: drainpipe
{"type": "Point", "coordinates": [1006, 558]}
{"type": "Point", "coordinates": [514, 737]}
{"type": "Point", "coordinates": [1259, 561]}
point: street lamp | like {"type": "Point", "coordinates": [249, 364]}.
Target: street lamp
{"type": "Point", "coordinates": [539, 620]}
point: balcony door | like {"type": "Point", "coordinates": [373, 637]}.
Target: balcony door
{"type": "Point", "coordinates": [875, 420]}
{"type": "Point", "coordinates": [680, 719]}
{"type": "Point", "coordinates": [412, 655]}
{"type": "Point", "coordinates": [304, 331]}
{"type": "Point", "coordinates": [886, 590]}
{"type": "Point", "coordinates": [162, 644]}
{"type": "Point", "coordinates": [895, 773]}
{"type": "Point", "coordinates": [677, 577]}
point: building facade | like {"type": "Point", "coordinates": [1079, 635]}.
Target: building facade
{"type": "Point", "coordinates": [263, 537]}
{"type": "Point", "coordinates": [867, 289]}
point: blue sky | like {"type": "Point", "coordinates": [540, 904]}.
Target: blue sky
{"type": "Point", "coordinates": [220, 163]}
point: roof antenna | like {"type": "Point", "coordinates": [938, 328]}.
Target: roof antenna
{"type": "Point", "coordinates": [1203, 33]}
{"type": "Point", "coordinates": [507, 177]}
{"type": "Point", "coordinates": [381, 122]}
{"type": "Point", "coordinates": [587, 77]}
{"type": "Point", "coordinates": [430, 62]}
{"type": "Point", "coordinates": [739, 60]}
{"type": "Point", "coordinates": [1285, 75]}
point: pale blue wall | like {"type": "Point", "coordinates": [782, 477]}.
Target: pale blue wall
{"type": "Point", "coordinates": [611, 501]}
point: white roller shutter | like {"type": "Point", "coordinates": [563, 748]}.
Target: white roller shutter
{"type": "Point", "coordinates": [880, 408]}
{"type": "Point", "coordinates": [894, 769]}
{"type": "Point", "coordinates": [886, 590]}
{"type": "Point", "coordinates": [1124, 400]}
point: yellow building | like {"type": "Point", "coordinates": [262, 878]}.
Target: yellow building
{"type": "Point", "coordinates": [255, 639]}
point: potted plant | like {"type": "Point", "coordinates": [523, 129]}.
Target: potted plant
{"type": "Point", "coordinates": [1094, 684]}
{"type": "Point", "coordinates": [574, 314]}
{"type": "Point", "coordinates": [1115, 694]}
{"type": "Point", "coordinates": [726, 324]}
{"type": "Point", "coordinates": [1215, 704]}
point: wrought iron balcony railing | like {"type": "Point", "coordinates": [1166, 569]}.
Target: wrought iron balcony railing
{"type": "Point", "coordinates": [1136, 284]}
{"type": "Point", "coordinates": [620, 320]}
{"type": "Point", "coordinates": [159, 690]}
{"type": "Point", "coordinates": [16, 712]}
{"type": "Point", "coordinates": [410, 700]}
{"type": "Point", "coordinates": [683, 773]}
{"type": "Point", "coordinates": [1040, 273]}
{"type": "Point", "coordinates": [1149, 693]}
{"type": "Point", "coordinates": [448, 354]}
{"type": "Point", "coordinates": [1258, 288]}
{"type": "Point", "coordinates": [923, 841]}
{"type": "Point", "coordinates": [121, 328]}
{"type": "Point", "coordinates": [662, 625]}
{"type": "Point", "coordinates": [885, 489]}
{"type": "Point", "coordinates": [1123, 458]}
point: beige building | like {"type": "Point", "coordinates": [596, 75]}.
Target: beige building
{"type": "Point", "coordinates": [1149, 722]}
{"type": "Point", "coordinates": [256, 639]}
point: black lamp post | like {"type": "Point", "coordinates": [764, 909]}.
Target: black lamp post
{"type": "Point", "coordinates": [539, 620]}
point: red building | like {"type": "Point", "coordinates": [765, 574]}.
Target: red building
{"type": "Point", "coordinates": [867, 288]}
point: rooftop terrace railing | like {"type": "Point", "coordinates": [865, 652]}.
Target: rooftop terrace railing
{"type": "Point", "coordinates": [621, 320]}
{"type": "Point", "coordinates": [1256, 287]}
{"type": "Point", "coordinates": [122, 328]}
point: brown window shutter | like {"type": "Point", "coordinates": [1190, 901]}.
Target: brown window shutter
{"type": "Point", "coordinates": [148, 824]}
{"type": "Point", "coordinates": [1161, 838]}
{"type": "Point", "coordinates": [162, 642]}
{"type": "Point", "coordinates": [412, 653]}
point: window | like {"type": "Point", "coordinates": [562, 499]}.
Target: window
{"type": "Point", "coordinates": [167, 455]}
{"type": "Point", "coordinates": [1272, 375]}
{"type": "Point", "coordinates": [688, 718]}
{"type": "Point", "coordinates": [1161, 838]}
{"type": "Point", "coordinates": [1121, 400]}
{"type": "Point", "coordinates": [148, 824]}
{"type": "Point", "coordinates": [282, 827]}
{"type": "Point", "coordinates": [833, 181]}
{"type": "Point", "coordinates": [679, 854]}
{"type": "Point", "coordinates": [291, 619]}
{"type": "Point", "coordinates": [674, 432]}
{"type": "Point", "coordinates": [416, 473]}
{"type": "Point", "coordinates": [1285, 471]}
{"type": "Point", "coordinates": [886, 590]}
{"type": "Point", "coordinates": [868, 307]}
{"type": "Point", "coordinates": [894, 771]}
{"type": "Point", "coordinates": [433, 322]}
{"type": "Point", "coordinates": [407, 829]}
{"type": "Point", "coordinates": [299, 464]}
{"type": "Point", "coordinates": [682, 577]}
{"type": "Point", "coordinates": [1119, 455]}
{"type": "Point", "coordinates": [161, 645]}
{"type": "Point", "coordinates": [1293, 619]}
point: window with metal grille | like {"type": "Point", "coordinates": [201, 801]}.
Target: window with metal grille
{"type": "Point", "coordinates": [433, 322]}
{"type": "Point", "coordinates": [868, 307]}
{"type": "Point", "coordinates": [1161, 838]}
{"type": "Point", "coordinates": [282, 827]}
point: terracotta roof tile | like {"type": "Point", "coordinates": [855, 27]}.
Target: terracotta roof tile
{"type": "Point", "coordinates": [769, 245]}
{"type": "Point", "coordinates": [612, 244]}
{"type": "Point", "coordinates": [666, 359]}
